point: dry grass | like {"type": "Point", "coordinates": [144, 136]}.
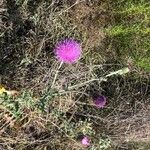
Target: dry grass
{"type": "Point", "coordinates": [28, 32]}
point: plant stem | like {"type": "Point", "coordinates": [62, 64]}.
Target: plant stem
{"type": "Point", "coordinates": [118, 72]}
{"type": "Point", "coordinates": [55, 77]}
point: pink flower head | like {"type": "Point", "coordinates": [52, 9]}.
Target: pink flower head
{"type": "Point", "coordinates": [100, 101]}
{"type": "Point", "coordinates": [85, 141]}
{"type": "Point", "coordinates": [68, 51]}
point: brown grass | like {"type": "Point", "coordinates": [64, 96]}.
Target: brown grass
{"type": "Point", "coordinates": [28, 33]}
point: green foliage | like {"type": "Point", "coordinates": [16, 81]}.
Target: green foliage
{"type": "Point", "coordinates": [130, 32]}
{"type": "Point", "coordinates": [130, 7]}
{"type": "Point", "coordinates": [10, 105]}
{"type": "Point", "coordinates": [26, 100]}
{"type": "Point", "coordinates": [103, 144]}
{"type": "Point", "coordinates": [45, 98]}
{"type": "Point", "coordinates": [16, 105]}
{"type": "Point", "coordinates": [122, 30]}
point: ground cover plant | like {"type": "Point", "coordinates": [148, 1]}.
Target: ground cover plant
{"type": "Point", "coordinates": [74, 74]}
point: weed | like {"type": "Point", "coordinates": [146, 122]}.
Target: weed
{"type": "Point", "coordinates": [55, 106]}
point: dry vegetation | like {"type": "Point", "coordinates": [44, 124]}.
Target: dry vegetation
{"type": "Point", "coordinates": [41, 118]}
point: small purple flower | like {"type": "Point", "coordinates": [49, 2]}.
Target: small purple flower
{"type": "Point", "coordinates": [100, 101]}
{"type": "Point", "coordinates": [85, 141]}
{"type": "Point", "coordinates": [68, 51]}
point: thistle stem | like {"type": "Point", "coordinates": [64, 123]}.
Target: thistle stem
{"type": "Point", "coordinates": [56, 74]}
{"type": "Point", "coordinates": [118, 72]}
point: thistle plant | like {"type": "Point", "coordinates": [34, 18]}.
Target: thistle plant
{"type": "Point", "coordinates": [99, 101]}
{"type": "Point", "coordinates": [85, 141]}
{"type": "Point", "coordinates": [66, 51]}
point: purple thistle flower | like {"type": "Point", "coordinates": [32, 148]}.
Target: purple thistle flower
{"type": "Point", "coordinates": [68, 51]}
{"type": "Point", "coordinates": [85, 141]}
{"type": "Point", "coordinates": [100, 101]}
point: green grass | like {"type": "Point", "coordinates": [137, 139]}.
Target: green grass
{"type": "Point", "coordinates": [130, 32]}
